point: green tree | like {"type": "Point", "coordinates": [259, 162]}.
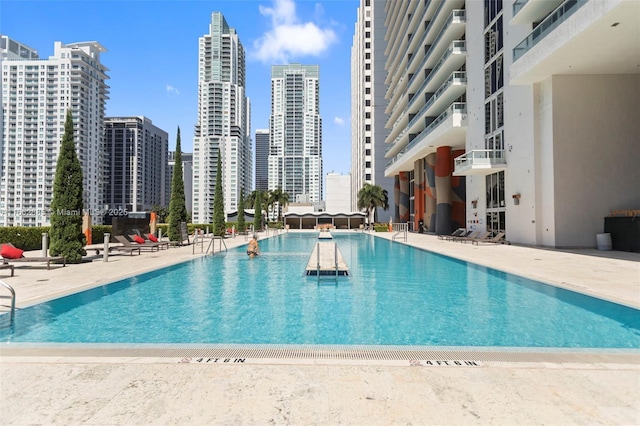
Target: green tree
{"type": "Point", "coordinates": [177, 204]}
{"type": "Point", "coordinates": [370, 197]}
{"type": "Point", "coordinates": [277, 196]}
{"type": "Point", "coordinates": [257, 206]}
{"type": "Point", "coordinates": [66, 238]}
{"type": "Point", "coordinates": [241, 222]}
{"type": "Point", "coordinates": [218, 202]}
{"type": "Point", "coordinates": [250, 202]}
{"type": "Point", "coordinates": [162, 213]}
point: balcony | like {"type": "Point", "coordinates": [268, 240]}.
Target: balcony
{"type": "Point", "coordinates": [480, 162]}
{"type": "Point", "coordinates": [549, 24]}
{"type": "Point", "coordinates": [530, 11]}
{"type": "Point", "coordinates": [448, 129]}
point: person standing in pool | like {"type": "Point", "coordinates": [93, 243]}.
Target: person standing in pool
{"type": "Point", "coordinates": [254, 249]}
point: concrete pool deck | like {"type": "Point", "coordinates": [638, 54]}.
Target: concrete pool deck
{"type": "Point", "coordinates": [58, 385]}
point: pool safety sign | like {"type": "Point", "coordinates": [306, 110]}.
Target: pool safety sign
{"type": "Point", "coordinates": [204, 360]}
{"type": "Point", "coordinates": [411, 363]}
{"type": "Point", "coordinates": [444, 363]}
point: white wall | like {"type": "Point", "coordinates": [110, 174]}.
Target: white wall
{"type": "Point", "coordinates": [596, 150]}
{"type": "Point", "coordinates": [475, 110]}
{"type": "Point", "coordinates": [338, 193]}
{"type": "Point", "coordinates": [544, 160]}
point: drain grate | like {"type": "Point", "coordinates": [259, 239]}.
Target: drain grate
{"type": "Point", "coordinates": [330, 352]}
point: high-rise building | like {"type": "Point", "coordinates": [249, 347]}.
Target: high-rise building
{"type": "Point", "coordinates": [10, 49]}
{"type": "Point", "coordinates": [338, 193]}
{"type": "Point", "coordinates": [368, 103]}
{"type": "Point", "coordinates": [36, 94]}
{"type": "Point", "coordinates": [514, 116]}
{"type": "Point", "coordinates": [136, 164]}
{"type": "Point", "coordinates": [223, 121]}
{"type": "Point", "coordinates": [187, 177]}
{"type": "Point", "coordinates": [262, 159]}
{"type": "Point", "coordinates": [427, 122]}
{"type": "Point", "coordinates": [295, 126]}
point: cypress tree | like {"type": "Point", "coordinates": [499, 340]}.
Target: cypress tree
{"type": "Point", "coordinates": [177, 204]}
{"type": "Point", "coordinates": [257, 218]}
{"type": "Point", "coordinates": [218, 202]}
{"type": "Point", "coordinates": [241, 223]}
{"type": "Point", "coordinates": [66, 238]}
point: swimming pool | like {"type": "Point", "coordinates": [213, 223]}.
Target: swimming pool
{"type": "Point", "coordinates": [395, 295]}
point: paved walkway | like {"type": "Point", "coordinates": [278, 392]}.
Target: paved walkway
{"type": "Point", "coordinates": [51, 386]}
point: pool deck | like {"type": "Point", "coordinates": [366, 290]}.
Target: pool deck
{"type": "Point", "coordinates": [106, 385]}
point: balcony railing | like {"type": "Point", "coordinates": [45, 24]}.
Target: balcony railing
{"type": "Point", "coordinates": [479, 161]}
{"type": "Point", "coordinates": [457, 77]}
{"type": "Point", "coordinates": [455, 108]}
{"type": "Point", "coordinates": [550, 23]}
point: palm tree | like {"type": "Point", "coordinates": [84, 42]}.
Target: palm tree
{"type": "Point", "coordinates": [370, 197]}
{"type": "Point", "coordinates": [279, 197]}
{"type": "Point", "coordinates": [250, 201]}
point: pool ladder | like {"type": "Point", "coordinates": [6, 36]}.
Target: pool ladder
{"type": "Point", "coordinates": [198, 240]}
{"type": "Point", "coordinates": [401, 230]}
{"type": "Point", "coordinates": [13, 301]}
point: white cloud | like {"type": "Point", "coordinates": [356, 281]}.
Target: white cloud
{"type": "Point", "coordinates": [289, 37]}
{"type": "Point", "coordinates": [339, 121]}
{"type": "Point", "coordinates": [171, 89]}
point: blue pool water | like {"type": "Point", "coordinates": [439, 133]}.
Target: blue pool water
{"type": "Point", "coordinates": [396, 295]}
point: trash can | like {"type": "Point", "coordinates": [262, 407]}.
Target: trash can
{"type": "Point", "coordinates": [604, 241]}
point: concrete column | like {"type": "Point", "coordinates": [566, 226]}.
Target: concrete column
{"type": "Point", "coordinates": [396, 197]}
{"type": "Point", "coordinates": [418, 194]}
{"type": "Point", "coordinates": [430, 202]}
{"type": "Point", "coordinates": [443, 189]}
{"type": "Point", "coordinates": [404, 197]}
{"type": "Point", "coordinates": [458, 196]}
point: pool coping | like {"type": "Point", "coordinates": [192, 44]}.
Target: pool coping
{"type": "Point", "coordinates": [314, 354]}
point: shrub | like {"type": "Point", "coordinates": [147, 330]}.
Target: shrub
{"type": "Point", "coordinates": [24, 237]}
{"type": "Point", "coordinates": [97, 233]}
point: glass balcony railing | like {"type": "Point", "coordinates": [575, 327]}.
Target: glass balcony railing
{"type": "Point", "coordinates": [458, 77]}
{"type": "Point", "coordinates": [455, 108]}
{"type": "Point", "coordinates": [484, 159]}
{"type": "Point", "coordinates": [457, 47]}
{"type": "Point", "coordinates": [550, 23]}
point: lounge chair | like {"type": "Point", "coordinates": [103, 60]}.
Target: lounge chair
{"type": "Point", "coordinates": [470, 236]}
{"type": "Point", "coordinates": [47, 259]}
{"type": "Point", "coordinates": [498, 239]}
{"type": "Point", "coordinates": [481, 236]}
{"type": "Point", "coordinates": [160, 244]}
{"type": "Point", "coordinates": [126, 243]}
{"type": "Point", "coordinates": [129, 250]}
{"type": "Point", "coordinates": [457, 233]}
{"type": "Point", "coordinates": [144, 241]}
{"type": "Point", "coordinates": [7, 266]}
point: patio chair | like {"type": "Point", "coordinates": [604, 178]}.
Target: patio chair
{"type": "Point", "coordinates": [150, 239]}
{"type": "Point", "coordinates": [498, 239]}
{"type": "Point", "coordinates": [7, 266]}
{"type": "Point", "coordinates": [457, 233]}
{"type": "Point", "coordinates": [129, 250]}
{"type": "Point", "coordinates": [126, 243]}
{"type": "Point", "coordinates": [11, 253]}
{"type": "Point", "coordinates": [464, 238]}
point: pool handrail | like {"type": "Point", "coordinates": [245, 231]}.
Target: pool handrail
{"type": "Point", "coordinates": [13, 301]}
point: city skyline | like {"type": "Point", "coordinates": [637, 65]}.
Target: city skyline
{"type": "Point", "coordinates": [152, 55]}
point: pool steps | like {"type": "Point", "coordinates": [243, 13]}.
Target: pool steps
{"type": "Point", "coordinates": [326, 259]}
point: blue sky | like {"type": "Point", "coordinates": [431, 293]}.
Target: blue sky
{"type": "Point", "coordinates": [152, 54]}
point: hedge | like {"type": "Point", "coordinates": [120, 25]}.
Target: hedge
{"type": "Point", "coordinates": [30, 237]}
